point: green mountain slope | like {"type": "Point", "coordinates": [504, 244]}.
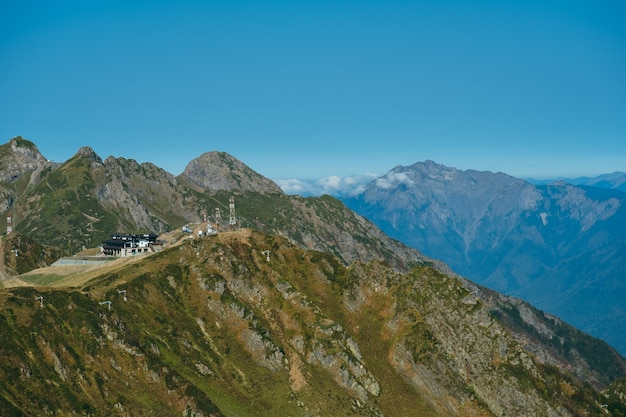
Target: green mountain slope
{"type": "Point", "coordinates": [212, 327]}
{"type": "Point", "coordinates": [21, 254]}
{"type": "Point", "coordinates": [62, 209]}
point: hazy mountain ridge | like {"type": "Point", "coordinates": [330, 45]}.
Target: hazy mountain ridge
{"type": "Point", "coordinates": [614, 181]}
{"type": "Point", "coordinates": [513, 236]}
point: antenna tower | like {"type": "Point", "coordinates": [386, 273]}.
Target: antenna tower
{"type": "Point", "coordinates": [9, 223]}
{"type": "Point", "coordinates": [218, 218]}
{"type": "Point", "coordinates": [232, 220]}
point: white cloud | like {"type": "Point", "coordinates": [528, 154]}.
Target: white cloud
{"type": "Point", "coordinates": [333, 185]}
{"type": "Point", "coordinates": [393, 179]}
{"type": "Point", "coordinates": [292, 186]}
{"type": "Point", "coordinates": [330, 183]}
{"type": "Point", "coordinates": [383, 183]}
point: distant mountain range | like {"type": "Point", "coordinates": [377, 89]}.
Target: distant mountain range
{"type": "Point", "coordinates": [560, 246]}
{"type": "Point", "coordinates": [302, 308]}
{"type": "Point", "coordinates": [613, 181]}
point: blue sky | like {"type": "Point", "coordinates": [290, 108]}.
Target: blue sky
{"type": "Point", "coordinates": [318, 89]}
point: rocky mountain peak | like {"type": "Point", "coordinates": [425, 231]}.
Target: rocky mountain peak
{"type": "Point", "coordinates": [23, 146]}
{"type": "Point", "coordinates": [18, 157]}
{"type": "Point", "coordinates": [89, 153]}
{"type": "Point", "coordinates": [219, 171]}
{"type": "Point", "coordinates": [439, 188]}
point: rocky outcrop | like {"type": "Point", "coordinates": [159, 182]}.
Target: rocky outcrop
{"type": "Point", "coordinates": [89, 153]}
{"type": "Point", "coordinates": [19, 156]}
{"type": "Point", "coordinates": [151, 196]}
{"type": "Point", "coordinates": [217, 171]}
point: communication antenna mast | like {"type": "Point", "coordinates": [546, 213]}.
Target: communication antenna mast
{"type": "Point", "coordinates": [232, 220]}
{"type": "Point", "coordinates": [9, 223]}
{"type": "Point", "coordinates": [218, 218]}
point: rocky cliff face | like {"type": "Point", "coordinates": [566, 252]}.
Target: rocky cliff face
{"type": "Point", "coordinates": [218, 171]}
{"type": "Point", "coordinates": [152, 196]}
{"type": "Point", "coordinates": [561, 247]}
{"type": "Point", "coordinates": [19, 156]}
{"type": "Point", "coordinates": [19, 160]}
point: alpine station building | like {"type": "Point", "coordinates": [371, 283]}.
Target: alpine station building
{"type": "Point", "coordinates": [128, 244]}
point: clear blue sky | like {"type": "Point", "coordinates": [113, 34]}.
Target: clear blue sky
{"type": "Point", "coordinates": [310, 89]}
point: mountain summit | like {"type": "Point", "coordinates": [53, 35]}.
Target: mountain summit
{"type": "Point", "coordinates": [19, 159]}
{"type": "Point", "coordinates": [219, 171]}
{"type": "Point", "coordinates": [19, 156]}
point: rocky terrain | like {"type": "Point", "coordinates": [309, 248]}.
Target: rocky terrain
{"type": "Point", "coordinates": [19, 158]}
{"type": "Point", "coordinates": [215, 326]}
{"type": "Point", "coordinates": [218, 171]}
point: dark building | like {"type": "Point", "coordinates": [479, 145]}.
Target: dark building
{"type": "Point", "coordinates": [128, 244]}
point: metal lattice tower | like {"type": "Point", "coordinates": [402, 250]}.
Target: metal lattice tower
{"type": "Point", "coordinates": [232, 220]}
{"type": "Point", "coordinates": [9, 223]}
{"type": "Point", "coordinates": [218, 218]}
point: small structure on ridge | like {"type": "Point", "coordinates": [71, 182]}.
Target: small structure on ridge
{"type": "Point", "coordinates": [128, 244]}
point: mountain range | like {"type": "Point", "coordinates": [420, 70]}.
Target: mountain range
{"type": "Point", "coordinates": [81, 202]}
{"type": "Point", "coordinates": [560, 246]}
{"type": "Point", "coordinates": [613, 181]}
{"type": "Point", "coordinates": [301, 308]}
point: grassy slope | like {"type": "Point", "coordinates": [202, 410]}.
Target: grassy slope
{"type": "Point", "coordinates": [164, 340]}
{"type": "Point", "coordinates": [210, 325]}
